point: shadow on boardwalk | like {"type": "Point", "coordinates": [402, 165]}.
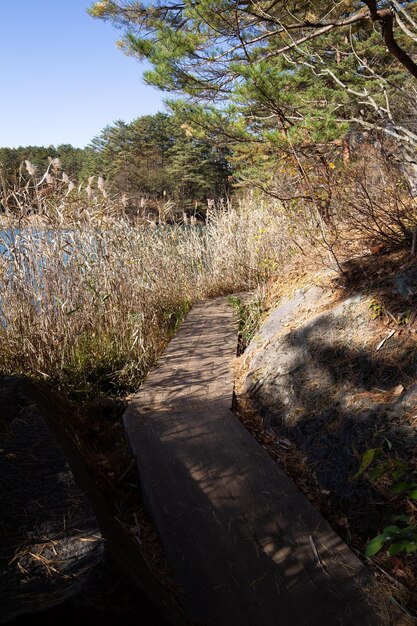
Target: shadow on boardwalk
{"type": "Point", "coordinates": [245, 545]}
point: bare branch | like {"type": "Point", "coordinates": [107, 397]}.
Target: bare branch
{"type": "Point", "coordinates": [357, 17]}
{"type": "Point", "coordinates": [402, 10]}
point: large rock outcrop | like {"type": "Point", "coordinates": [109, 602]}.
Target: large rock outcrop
{"type": "Point", "coordinates": [320, 373]}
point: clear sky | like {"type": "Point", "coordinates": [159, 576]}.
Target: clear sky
{"type": "Point", "coordinates": [62, 78]}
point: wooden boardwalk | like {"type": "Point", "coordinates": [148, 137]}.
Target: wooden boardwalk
{"type": "Point", "coordinates": [245, 545]}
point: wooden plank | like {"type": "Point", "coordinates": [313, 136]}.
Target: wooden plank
{"type": "Point", "coordinates": [245, 545]}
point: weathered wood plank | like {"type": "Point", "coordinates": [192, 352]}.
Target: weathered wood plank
{"type": "Point", "coordinates": [240, 537]}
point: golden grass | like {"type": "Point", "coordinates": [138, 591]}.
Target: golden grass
{"type": "Point", "coordinates": [89, 299]}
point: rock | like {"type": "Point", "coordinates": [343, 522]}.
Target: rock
{"type": "Point", "coordinates": [315, 376]}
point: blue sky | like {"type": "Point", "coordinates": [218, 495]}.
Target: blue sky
{"type": "Point", "coordinates": [62, 77]}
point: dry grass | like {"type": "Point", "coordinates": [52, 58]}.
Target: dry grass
{"type": "Point", "coordinates": [89, 299]}
{"type": "Point", "coordinates": [337, 209]}
{"type": "Point", "coordinates": [90, 296]}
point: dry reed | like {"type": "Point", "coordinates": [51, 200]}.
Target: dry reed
{"type": "Point", "coordinates": [88, 303]}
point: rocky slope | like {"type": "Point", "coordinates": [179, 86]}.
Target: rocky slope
{"type": "Point", "coordinates": [332, 371]}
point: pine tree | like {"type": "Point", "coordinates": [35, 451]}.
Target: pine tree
{"type": "Point", "coordinates": [155, 155]}
{"type": "Point", "coordinates": [305, 70]}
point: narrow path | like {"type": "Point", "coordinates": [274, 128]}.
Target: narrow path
{"type": "Point", "coordinates": [245, 545]}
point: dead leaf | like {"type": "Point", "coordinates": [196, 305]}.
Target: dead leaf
{"type": "Point", "coordinates": [398, 390]}
{"type": "Point", "coordinates": [381, 343]}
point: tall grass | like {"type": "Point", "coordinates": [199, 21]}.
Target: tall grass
{"type": "Point", "coordinates": [89, 304]}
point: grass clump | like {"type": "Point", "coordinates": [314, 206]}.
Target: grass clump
{"type": "Point", "coordinates": [248, 314]}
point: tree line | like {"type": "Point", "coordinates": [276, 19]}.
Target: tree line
{"type": "Point", "coordinates": [154, 156]}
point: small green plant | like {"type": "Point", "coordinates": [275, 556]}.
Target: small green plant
{"type": "Point", "coordinates": [172, 315]}
{"type": "Point", "coordinates": [405, 318]}
{"type": "Point", "coordinates": [377, 309]}
{"type": "Point", "coordinates": [401, 535]}
{"type": "Point", "coordinates": [403, 480]}
{"type": "Point", "coordinates": [248, 315]}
